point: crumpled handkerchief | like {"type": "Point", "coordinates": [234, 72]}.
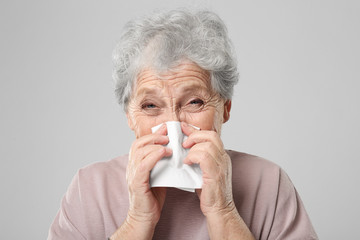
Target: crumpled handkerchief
{"type": "Point", "coordinates": [170, 171]}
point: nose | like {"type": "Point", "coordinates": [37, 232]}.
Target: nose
{"type": "Point", "coordinates": [172, 115]}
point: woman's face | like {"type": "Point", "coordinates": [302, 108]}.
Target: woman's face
{"type": "Point", "coordinates": [182, 95]}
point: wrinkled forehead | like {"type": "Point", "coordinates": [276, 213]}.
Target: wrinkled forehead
{"type": "Point", "coordinates": [184, 77]}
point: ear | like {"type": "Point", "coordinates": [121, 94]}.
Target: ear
{"type": "Point", "coordinates": [130, 121]}
{"type": "Point", "coordinates": [227, 108]}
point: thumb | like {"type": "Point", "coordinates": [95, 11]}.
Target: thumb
{"type": "Point", "coordinates": [187, 128]}
{"type": "Point", "coordinates": [162, 129]}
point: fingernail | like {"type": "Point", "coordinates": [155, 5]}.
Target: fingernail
{"type": "Point", "coordinates": [167, 151]}
{"type": "Point", "coordinates": [163, 126]}
{"type": "Point", "coordinates": [184, 124]}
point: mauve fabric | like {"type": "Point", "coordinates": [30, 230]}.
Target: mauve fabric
{"type": "Point", "coordinates": [97, 201]}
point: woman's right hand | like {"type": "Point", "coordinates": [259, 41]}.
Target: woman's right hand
{"type": "Point", "coordinates": [145, 203]}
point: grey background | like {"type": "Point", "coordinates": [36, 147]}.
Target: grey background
{"type": "Point", "coordinates": [297, 102]}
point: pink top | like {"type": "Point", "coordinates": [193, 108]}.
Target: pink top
{"type": "Point", "coordinates": [97, 201]}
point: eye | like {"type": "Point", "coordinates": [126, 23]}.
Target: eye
{"type": "Point", "coordinates": [148, 106]}
{"type": "Point", "coordinates": [196, 102]}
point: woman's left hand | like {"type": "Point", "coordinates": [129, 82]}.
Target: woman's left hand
{"type": "Point", "coordinates": [207, 150]}
{"type": "Point", "coordinates": [216, 199]}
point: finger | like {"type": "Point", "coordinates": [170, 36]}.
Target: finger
{"type": "Point", "coordinates": [155, 138]}
{"type": "Point", "coordinates": [138, 177]}
{"type": "Point", "coordinates": [162, 130]}
{"type": "Point", "coordinates": [150, 161]}
{"type": "Point", "coordinates": [213, 174]}
{"type": "Point", "coordinates": [209, 168]}
{"type": "Point", "coordinates": [210, 159]}
{"type": "Point", "coordinates": [201, 137]}
{"type": "Point", "coordinates": [144, 145]}
{"type": "Point", "coordinates": [206, 147]}
{"type": "Point", "coordinates": [158, 137]}
{"type": "Point", "coordinates": [147, 150]}
{"type": "Point", "coordinates": [187, 129]}
{"type": "Point", "coordinates": [204, 158]}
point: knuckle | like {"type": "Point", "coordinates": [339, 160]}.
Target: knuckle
{"type": "Point", "coordinates": [220, 176]}
{"type": "Point", "coordinates": [213, 135]}
{"type": "Point", "coordinates": [161, 151]}
{"type": "Point", "coordinates": [209, 146]}
{"type": "Point", "coordinates": [205, 156]}
{"type": "Point", "coordinates": [135, 145]}
{"type": "Point", "coordinates": [141, 168]}
{"type": "Point", "coordinates": [159, 139]}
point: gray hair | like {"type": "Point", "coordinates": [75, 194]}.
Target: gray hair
{"type": "Point", "coordinates": [167, 38]}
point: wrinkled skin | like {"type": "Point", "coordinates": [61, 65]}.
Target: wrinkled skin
{"type": "Point", "coordinates": [183, 95]}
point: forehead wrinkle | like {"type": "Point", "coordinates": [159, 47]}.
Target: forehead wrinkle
{"type": "Point", "coordinates": [184, 79]}
{"type": "Point", "coordinates": [188, 74]}
{"type": "Point", "coordinates": [185, 69]}
{"type": "Point", "coordinates": [190, 89]}
{"type": "Point", "coordinates": [177, 81]}
{"type": "Point", "coordinates": [143, 91]}
{"type": "Point", "coordinates": [174, 90]}
{"type": "Point", "coordinates": [146, 76]}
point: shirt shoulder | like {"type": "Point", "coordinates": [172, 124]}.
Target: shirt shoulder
{"type": "Point", "coordinates": [101, 169]}
{"type": "Point", "coordinates": [95, 193]}
{"type": "Point", "coordinates": [267, 199]}
{"type": "Point", "coordinates": [251, 172]}
{"type": "Point", "coordinates": [103, 179]}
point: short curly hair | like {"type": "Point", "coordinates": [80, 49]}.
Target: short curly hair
{"type": "Point", "coordinates": [170, 38]}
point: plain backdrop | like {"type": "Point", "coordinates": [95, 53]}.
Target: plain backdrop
{"type": "Point", "coordinates": [297, 102]}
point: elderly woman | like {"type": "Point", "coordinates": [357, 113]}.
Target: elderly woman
{"type": "Point", "coordinates": [179, 66]}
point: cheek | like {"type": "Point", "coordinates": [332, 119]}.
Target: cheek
{"type": "Point", "coordinates": [142, 126]}
{"type": "Point", "coordinates": [145, 123]}
{"type": "Point", "coordinates": [206, 120]}
{"type": "Point", "coordinates": [142, 131]}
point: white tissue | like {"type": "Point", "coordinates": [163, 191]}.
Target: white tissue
{"type": "Point", "coordinates": [170, 171]}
